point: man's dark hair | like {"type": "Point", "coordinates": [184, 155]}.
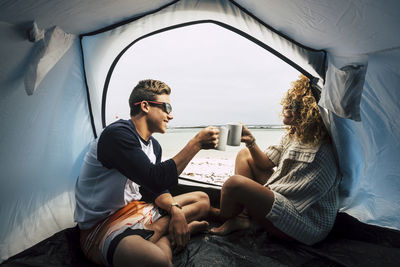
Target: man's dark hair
{"type": "Point", "coordinates": [146, 90]}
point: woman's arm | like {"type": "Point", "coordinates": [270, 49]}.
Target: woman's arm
{"type": "Point", "coordinates": [261, 160]}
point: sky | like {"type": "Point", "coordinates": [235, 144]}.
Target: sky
{"type": "Point", "coordinates": [216, 77]}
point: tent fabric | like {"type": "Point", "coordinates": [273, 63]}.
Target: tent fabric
{"type": "Point", "coordinates": [52, 46]}
{"type": "Point", "coordinates": [343, 89]}
{"type": "Point", "coordinates": [42, 148]}
{"type": "Point", "coordinates": [346, 29]}
{"type": "Point", "coordinates": [113, 43]}
{"type": "Point", "coordinates": [351, 243]}
{"type": "Point", "coordinates": [44, 136]}
{"type": "Point", "coordinates": [369, 150]}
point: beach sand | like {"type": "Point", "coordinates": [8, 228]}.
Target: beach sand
{"type": "Point", "coordinates": [210, 170]}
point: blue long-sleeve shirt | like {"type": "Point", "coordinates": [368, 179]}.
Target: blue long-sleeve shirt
{"type": "Point", "coordinates": [117, 163]}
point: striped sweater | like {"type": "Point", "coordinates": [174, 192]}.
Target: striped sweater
{"type": "Point", "coordinates": [305, 185]}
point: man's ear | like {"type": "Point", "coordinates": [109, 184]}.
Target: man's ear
{"type": "Point", "coordinates": [145, 107]}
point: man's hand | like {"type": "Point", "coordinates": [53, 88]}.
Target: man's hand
{"type": "Point", "coordinates": [208, 137]}
{"type": "Point", "coordinates": [178, 229]}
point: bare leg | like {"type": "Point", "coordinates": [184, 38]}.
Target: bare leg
{"type": "Point", "coordinates": [197, 227]}
{"type": "Point", "coordinates": [240, 222]}
{"type": "Point", "coordinates": [164, 244]}
{"type": "Point", "coordinates": [134, 250]}
{"type": "Point", "coordinates": [246, 168]}
{"type": "Point", "coordinates": [160, 228]}
{"type": "Point", "coordinates": [240, 192]}
{"type": "Point", "coordinates": [147, 253]}
{"type": "Point", "coordinates": [213, 214]}
{"type": "Point", "coordinates": [195, 205]}
{"type": "Point", "coordinates": [244, 165]}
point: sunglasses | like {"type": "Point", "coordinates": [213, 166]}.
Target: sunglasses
{"type": "Point", "coordinates": [165, 106]}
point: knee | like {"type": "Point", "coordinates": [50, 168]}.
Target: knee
{"type": "Point", "coordinates": [202, 198]}
{"type": "Point", "coordinates": [234, 184]}
{"type": "Point", "coordinates": [243, 155]}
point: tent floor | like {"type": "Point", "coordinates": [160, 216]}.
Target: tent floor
{"type": "Point", "coordinates": [351, 243]}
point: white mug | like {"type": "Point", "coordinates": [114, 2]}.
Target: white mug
{"type": "Point", "coordinates": [223, 138]}
{"type": "Point", "coordinates": [235, 134]}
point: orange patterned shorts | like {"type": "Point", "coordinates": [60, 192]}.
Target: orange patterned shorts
{"type": "Point", "coordinates": [99, 242]}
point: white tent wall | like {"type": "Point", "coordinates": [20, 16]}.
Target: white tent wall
{"type": "Point", "coordinates": [44, 136]}
{"type": "Point", "coordinates": [43, 139]}
{"type": "Point", "coordinates": [369, 151]}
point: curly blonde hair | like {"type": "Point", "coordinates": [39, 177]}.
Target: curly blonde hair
{"type": "Point", "coordinates": [308, 127]}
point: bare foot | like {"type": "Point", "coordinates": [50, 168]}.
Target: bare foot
{"type": "Point", "coordinates": [197, 227]}
{"type": "Point", "coordinates": [231, 225]}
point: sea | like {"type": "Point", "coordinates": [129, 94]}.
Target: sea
{"type": "Point", "coordinates": [211, 165]}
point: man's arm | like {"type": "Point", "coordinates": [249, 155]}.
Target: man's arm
{"type": "Point", "coordinates": [178, 227]}
{"type": "Point", "coordinates": [119, 149]}
{"type": "Point", "coordinates": [205, 139]}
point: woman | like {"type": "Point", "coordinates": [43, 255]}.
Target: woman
{"type": "Point", "coordinates": [299, 199]}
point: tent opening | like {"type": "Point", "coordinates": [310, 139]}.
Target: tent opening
{"type": "Point", "coordinates": [216, 77]}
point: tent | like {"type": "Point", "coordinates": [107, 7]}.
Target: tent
{"type": "Point", "coordinates": [57, 58]}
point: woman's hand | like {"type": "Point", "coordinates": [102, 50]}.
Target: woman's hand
{"type": "Point", "coordinates": [260, 158]}
{"type": "Point", "coordinates": [247, 137]}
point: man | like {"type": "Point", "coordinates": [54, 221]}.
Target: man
{"type": "Point", "coordinates": [117, 227]}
